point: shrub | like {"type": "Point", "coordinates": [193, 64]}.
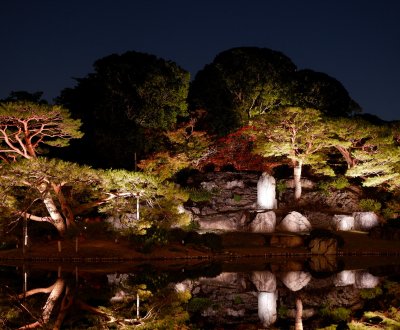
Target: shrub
{"type": "Point", "coordinates": [281, 186]}
{"type": "Point", "coordinates": [323, 187]}
{"type": "Point", "coordinates": [340, 183]}
{"type": "Point", "coordinates": [370, 205]}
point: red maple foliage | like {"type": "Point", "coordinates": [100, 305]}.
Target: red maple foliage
{"type": "Point", "coordinates": [235, 150]}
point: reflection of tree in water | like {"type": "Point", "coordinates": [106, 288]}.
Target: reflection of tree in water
{"type": "Point", "coordinates": [110, 301]}
{"type": "Point", "coordinates": [72, 300]}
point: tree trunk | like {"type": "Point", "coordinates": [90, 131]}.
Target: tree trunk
{"type": "Point", "coordinates": [65, 207]}
{"type": "Point", "coordinates": [298, 324]}
{"type": "Point", "coordinates": [297, 179]}
{"type": "Point", "coordinates": [52, 299]}
{"type": "Point", "coordinates": [56, 217]}
{"type": "Point", "coordinates": [351, 162]}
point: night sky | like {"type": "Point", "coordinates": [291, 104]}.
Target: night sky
{"type": "Point", "coordinates": [45, 43]}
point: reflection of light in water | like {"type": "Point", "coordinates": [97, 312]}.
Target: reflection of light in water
{"type": "Point", "coordinates": [267, 307]}
{"type": "Point", "coordinates": [365, 280]}
{"type": "Point", "coordinates": [266, 192]}
{"type": "Point", "coordinates": [345, 277]}
{"type": "Point", "coordinates": [296, 280]}
{"type": "Point", "coordinates": [264, 281]}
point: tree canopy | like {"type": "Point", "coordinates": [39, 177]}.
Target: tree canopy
{"type": "Point", "coordinates": [125, 105]}
{"type": "Point", "coordinates": [298, 134]}
{"type": "Point", "coordinates": [247, 81]}
{"type": "Point", "coordinates": [26, 127]}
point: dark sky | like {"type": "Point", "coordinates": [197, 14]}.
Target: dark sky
{"type": "Point", "coordinates": [45, 43]}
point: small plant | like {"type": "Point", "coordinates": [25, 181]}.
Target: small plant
{"type": "Point", "coordinates": [369, 205]}
{"type": "Point", "coordinates": [238, 300]}
{"type": "Point", "coordinates": [336, 314]}
{"type": "Point", "coordinates": [237, 198]}
{"type": "Point", "coordinates": [323, 187]}
{"type": "Point", "coordinates": [371, 293]}
{"type": "Point", "coordinates": [281, 186]}
{"type": "Point", "coordinates": [340, 183]}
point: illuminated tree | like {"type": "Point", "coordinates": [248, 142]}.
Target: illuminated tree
{"type": "Point", "coordinates": [25, 128]}
{"type": "Point", "coordinates": [298, 134]}
{"type": "Point", "coordinates": [185, 147]}
{"type": "Point", "coordinates": [58, 192]}
{"type": "Point", "coordinates": [368, 149]}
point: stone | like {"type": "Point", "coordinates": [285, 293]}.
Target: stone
{"type": "Point", "coordinates": [294, 222]}
{"type": "Point", "coordinates": [295, 280]}
{"type": "Point", "coordinates": [267, 311]}
{"type": "Point", "coordinates": [345, 277]}
{"type": "Point", "coordinates": [322, 245]}
{"type": "Point", "coordinates": [218, 223]}
{"type": "Point", "coordinates": [365, 221]}
{"type": "Point", "coordinates": [234, 184]}
{"type": "Point", "coordinates": [264, 281]}
{"type": "Point", "coordinates": [264, 222]}
{"type": "Point", "coordinates": [365, 280]}
{"type": "Point", "coordinates": [343, 222]}
{"type": "Point", "coordinates": [266, 192]}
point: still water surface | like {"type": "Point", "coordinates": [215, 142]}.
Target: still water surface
{"type": "Point", "coordinates": [229, 294]}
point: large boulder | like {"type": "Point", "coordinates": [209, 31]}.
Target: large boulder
{"type": "Point", "coordinates": [343, 222]}
{"type": "Point", "coordinates": [365, 220]}
{"type": "Point", "coordinates": [264, 281]}
{"type": "Point", "coordinates": [365, 280]}
{"type": "Point", "coordinates": [264, 222]}
{"type": "Point", "coordinates": [220, 222]}
{"type": "Point", "coordinates": [345, 277]}
{"type": "Point", "coordinates": [296, 280]}
{"type": "Point", "coordinates": [266, 192]}
{"type": "Point", "coordinates": [294, 222]}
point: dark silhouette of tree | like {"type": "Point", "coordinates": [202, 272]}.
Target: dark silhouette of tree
{"type": "Point", "coordinates": [238, 84]}
{"type": "Point", "coordinates": [25, 96]}
{"type": "Point", "coordinates": [244, 82]}
{"type": "Point", "coordinates": [125, 105]}
{"type": "Point", "coordinates": [311, 89]}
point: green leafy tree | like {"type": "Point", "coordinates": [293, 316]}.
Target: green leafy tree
{"type": "Point", "coordinates": [370, 150]}
{"type": "Point", "coordinates": [239, 84]}
{"type": "Point", "coordinates": [26, 127]}
{"type": "Point", "coordinates": [125, 105]}
{"type": "Point", "coordinates": [298, 134]}
{"type": "Point", "coordinates": [57, 192]}
{"type": "Point", "coordinates": [185, 147]}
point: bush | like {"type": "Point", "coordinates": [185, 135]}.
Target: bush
{"type": "Point", "coordinates": [369, 205]}
{"type": "Point", "coordinates": [281, 186]}
{"type": "Point", "coordinates": [340, 183]}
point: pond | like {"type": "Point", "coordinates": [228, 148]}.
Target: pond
{"type": "Point", "coordinates": [241, 293]}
